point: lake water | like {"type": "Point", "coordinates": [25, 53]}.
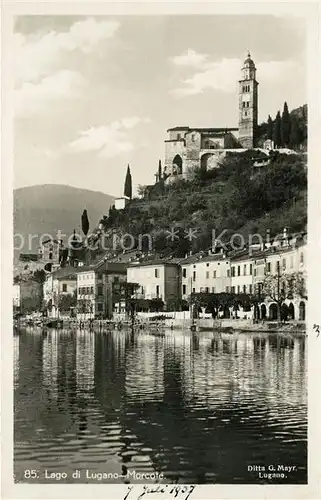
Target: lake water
{"type": "Point", "coordinates": [205, 408]}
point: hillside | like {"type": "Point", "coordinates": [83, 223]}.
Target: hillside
{"type": "Point", "coordinates": [235, 198]}
{"type": "Point", "coordinates": [50, 207]}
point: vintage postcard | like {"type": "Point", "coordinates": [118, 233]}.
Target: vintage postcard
{"type": "Point", "coordinates": [161, 250]}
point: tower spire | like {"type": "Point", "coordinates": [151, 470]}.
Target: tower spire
{"type": "Point", "coordinates": [248, 103]}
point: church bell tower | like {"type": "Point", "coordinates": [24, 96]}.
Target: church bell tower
{"type": "Point", "coordinates": [248, 104]}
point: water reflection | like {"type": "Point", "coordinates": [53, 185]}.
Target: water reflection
{"type": "Point", "coordinates": [199, 408]}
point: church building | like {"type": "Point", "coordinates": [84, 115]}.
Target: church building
{"type": "Point", "coordinates": [189, 148]}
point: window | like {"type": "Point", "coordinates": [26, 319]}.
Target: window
{"type": "Point", "coordinates": [99, 307]}
{"type": "Point", "coordinates": [244, 269]}
{"type": "Point", "coordinates": [250, 289]}
{"type": "Point", "coordinates": [91, 289]}
{"type": "Point", "coordinates": [184, 272]}
{"type": "Point", "coordinates": [238, 288]}
{"type": "Point", "coordinates": [251, 269]}
{"type": "Point", "coordinates": [245, 113]}
{"type": "Point", "coordinates": [193, 291]}
{"type": "Point", "coordinates": [232, 289]}
{"type": "Point", "coordinates": [214, 274]}
{"type": "Point", "coordinates": [228, 273]}
{"type": "Point", "coordinates": [243, 104]}
{"type": "Point", "coordinates": [184, 289]}
{"type": "Point", "coordinates": [50, 255]}
{"type": "Point", "coordinates": [239, 270]}
{"type": "Point", "coordinates": [247, 104]}
{"type": "Point", "coordinates": [207, 289]}
{"type": "Point", "coordinates": [207, 275]}
{"type": "Point", "coordinates": [99, 276]}
{"type": "Point", "coordinates": [64, 287]}
{"type": "Point", "coordinates": [284, 263]}
{"type": "Point", "coordinates": [207, 264]}
{"type": "Point", "coordinates": [156, 273]}
{"type": "Point", "coordinates": [255, 271]}
{"type": "Point", "coordinates": [213, 289]}
{"type": "Point", "coordinates": [178, 136]}
{"type": "Point", "coordinates": [194, 275]}
{"type": "Point", "coordinates": [268, 267]}
{"type": "Point", "coordinates": [277, 267]}
{"type": "Point", "coordinates": [233, 272]}
{"type": "Point", "coordinates": [100, 290]}
{"type": "Point", "coordinates": [291, 261]}
{"type": "Point", "coordinates": [227, 289]}
{"type": "Point", "coordinates": [157, 291]}
{"type": "Point", "coordinates": [301, 258]}
{"type": "Point", "coordinates": [244, 288]}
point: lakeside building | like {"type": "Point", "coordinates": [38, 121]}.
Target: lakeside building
{"type": "Point", "coordinates": [205, 274]}
{"type": "Point", "coordinates": [273, 273]}
{"type": "Point", "coordinates": [58, 283]}
{"type": "Point", "coordinates": [99, 289]}
{"type": "Point", "coordinates": [156, 279]}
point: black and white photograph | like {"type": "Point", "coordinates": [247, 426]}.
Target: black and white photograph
{"type": "Point", "coordinates": [160, 296]}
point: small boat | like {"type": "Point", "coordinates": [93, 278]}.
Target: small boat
{"type": "Point", "coordinates": [54, 323]}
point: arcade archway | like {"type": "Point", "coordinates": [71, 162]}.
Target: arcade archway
{"type": "Point", "coordinates": [178, 165]}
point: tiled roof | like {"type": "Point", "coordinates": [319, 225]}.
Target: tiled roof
{"type": "Point", "coordinates": [203, 129]}
{"type": "Point", "coordinates": [155, 262]}
{"type": "Point", "coordinates": [203, 258]}
{"type": "Point", "coordinates": [64, 272]}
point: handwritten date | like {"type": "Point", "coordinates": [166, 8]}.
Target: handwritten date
{"type": "Point", "coordinates": [169, 490]}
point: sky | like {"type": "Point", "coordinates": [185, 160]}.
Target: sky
{"type": "Point", "coordinates": [94, 94]}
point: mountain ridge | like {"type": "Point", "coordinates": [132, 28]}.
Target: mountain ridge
{"type": "Point", "coordinates": [48, 208]}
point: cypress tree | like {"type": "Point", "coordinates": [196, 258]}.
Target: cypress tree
{"type": "Point", "coordinates": [285, 126]}
{"type": "Point", "coordinates": [159, 170]}
{"type": "Point", "coordinates": [85, 222]}
{"type": "Point", "coordinates": [128, 184]}
{"type": "Point", "coordinates": [295, 133]}
{"type": "Point", "coordinates": [270, 128]}
{"type": "Point", "coordinates": [277, 130]}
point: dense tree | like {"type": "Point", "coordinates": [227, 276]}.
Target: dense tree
{"type": "Point", "coordinates": [67, 301]}
{"type": "Point", "coordinates": [277, 131]}
{"type": "Point", "coordinates": [39, 275]}
{"type": "Point", "coordinates": [285, 126]}
{"type": "Point", "coordinates": [238, 198]}
{"type": "Point", "coordinates": [30, 304]}
{"type": "Point", "coordinates": [270, 128]}
{"type": "Point", "coordinates": [159, 170]}
{"type": "Point", "coordinates": [282, 286]}
{"type": "Point", "coordinates": [85, 222]}
{"type": "Point", "coordinates": [294, 134]}
{"type": "Point", "coordinates": [128, 184]}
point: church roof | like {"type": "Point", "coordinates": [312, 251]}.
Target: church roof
{"type": "Point", "coordinates": [204, 129]}
{"type": "Point", "coordinates": [177, 128]}
{"type": "Point", "coordinates": [249, 61]}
